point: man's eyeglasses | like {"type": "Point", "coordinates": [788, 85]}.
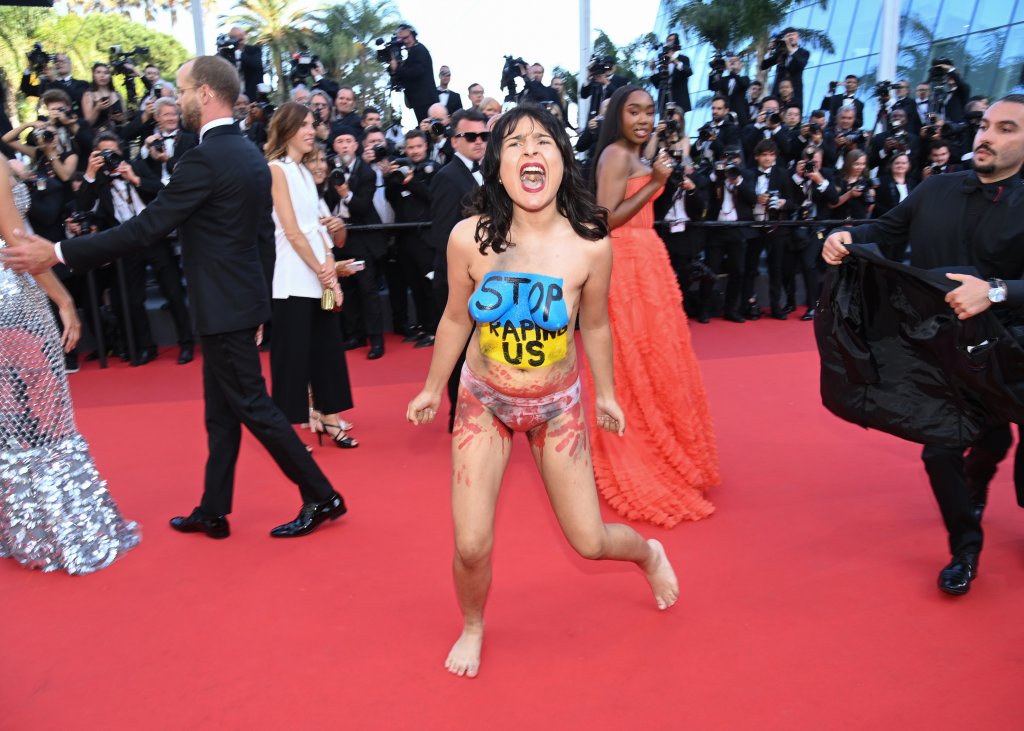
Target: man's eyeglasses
{"type": "Point", "coordinates": [472, 136]}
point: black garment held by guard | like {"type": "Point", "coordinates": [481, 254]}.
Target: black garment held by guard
{"type": "Point", "coordinates": [895, 357]}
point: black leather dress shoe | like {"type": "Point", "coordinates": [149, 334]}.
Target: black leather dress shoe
{"type": "Point", "coordinates": [779, 315]}
{"type": "Point", "coordinates": [187, 355]}
{"type": "Point", "coordinates": [215, 526]}
{"type": "Point", "coordinates": [956, 577]}
{"type": "Point", "coordinates": [788, 308]}
{"type": "Point", "coordinates": [353, 343]}
{"type": "Point", "coordinates": [734, 317]}
{"type": "Point", "coordinates": [753, 311]}
{"type": "Point", "coordinates": [146, 355]}
{"type": "Point", "coordinates": [426, 341]}
{"type": "Point", "coordinates": [807, 316]}
{"type": "Point", "coordinates": [311, 515]}
{"type": "Point", "coordinates": [704, 318]}
{"type": "Point", "coordinates": [414, 336]}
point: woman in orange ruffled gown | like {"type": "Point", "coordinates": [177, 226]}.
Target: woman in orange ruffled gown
{"type": "Point", "coordinates": [667, 459]}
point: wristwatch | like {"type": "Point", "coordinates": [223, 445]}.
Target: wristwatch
{"type": "Point", "coordinates": [997, 291]}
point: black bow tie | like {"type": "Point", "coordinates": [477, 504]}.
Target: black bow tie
{"type": "Point", "coordinates": [170, 136]}
{"type": "Point", "coordinates": [476, 167]}
{"type": "Point", "coordinates": [764, 173]}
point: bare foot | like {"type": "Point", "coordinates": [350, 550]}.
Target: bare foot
{"type": "Point", "coordinates": [661, 576]}
{"type": "Point", "coordinates": [464, 658]}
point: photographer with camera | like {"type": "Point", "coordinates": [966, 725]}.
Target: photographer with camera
{"type": "Point", "coordinates": [903, 100]}
{"type": "Point", "coordinates": [247, 59]}
{"type": "Point", "coordinates": [896, 141]}
{"type": "Point", "coordinates": [672, 74]}
{"type": "Point", "coordinates": [949, 93]}
{"type": "Point", "coordinates": [321, 82]}
{"type": "Point", "coordinates": [414, 73]}
{"type": "Point", "coordinates": [320, 105]}
{"type": "Point", "coordinates": [163, 149]}
{"type": "Point", "coordinates": [814, 193]}
{"type": "Point", "coordinates": [833, 102]}
{"type": "Point", "coordinates": [367, 204]}
{"type": "Point", "coordinates": [719, 134]}
{"type": "Point", "coordinates": [785, 53]}
{"type": "Point", "coordinates": [767, 126]}
{"type": "Point", "coordinates": [54, 140]}
{"type": "Point", "coordinates": [940, 156]}
{"type": "Point", "coordinates": [119, 191]}
{"type": "Point", "coordinates": [731, 198]}
{"type": "Point", "coordinates": [601, 83]}
{"type": "Point", "coordinates": [856, 190]}
{"type": "Point", "coordinates": [844, 137]}
{"type": "Point", "coordinates": [408, 190]}
{"type": "Point", "coordinates": [773, 188]}
{"type": "Point", "coordinates": [437, 130]}
{"type": "Point", "coordinates": [732, 85]}
{"type": "Point", "coordinates": [52, 72]}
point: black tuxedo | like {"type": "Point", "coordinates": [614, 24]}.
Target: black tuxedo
{"type": "Point", "coordinates": [726, 247]}
{"type": "Point", "coordinates": [416, 75]}
{"type": "Point", "coordinates": [183, 142]}
{"type": "Point", "coordinates": [74, 88]}
{"type": "Point", "coordinates": [250, 69]}
{"type": "Point", "coordinates": [453, 103]}
{"type": "Point", "coordinates": [363, 315]}
{"type": "Point", "coordinates": [752, 134]}
{"type": "Point", "coordinates": [908, 105]}
{"type": "Point", "coordinates": [790, 67]}
{"type": "Point", "coordinates": [738, 97]}
{"type": "Point", "coordinates": [598, 93]}
{"type": "Point", "coordinates": [678, 84]}
{"type": "Point", "coordinates": [450, 193]}
{"type": "Point", "coordinates": [879, 156]}
{"type": "Point", "coordinates": [772, 242]}
{"type": "Point", "coordinates": [832, 105]}
{"type": "Point", "coordinates": [415, 247]}
{"type": "Point", "coordinates": [219, 200]}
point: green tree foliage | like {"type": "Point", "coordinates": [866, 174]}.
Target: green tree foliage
{"type": "Point", "coordinates": [280, 26]}
{"type": "Point", "coordinates": [344, 36]}
{"type": "Point", "coordinates": [85, 39]}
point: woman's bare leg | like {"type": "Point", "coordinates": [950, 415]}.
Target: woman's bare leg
{"type": "Point", "coordinates": [561, 448]}
{"type": "Point", "coordinates": [481, 446]}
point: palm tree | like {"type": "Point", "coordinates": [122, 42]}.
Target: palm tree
{"type": "Point", "coordinates": [728, 24]}
{"type": "Point", "coordinates": [345, 35]}
{"type": "Point", "coordinates": [277, 25]}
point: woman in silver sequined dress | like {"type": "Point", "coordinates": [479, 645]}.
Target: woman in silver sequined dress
{"type": "Point", "coordinates": [55, 511]}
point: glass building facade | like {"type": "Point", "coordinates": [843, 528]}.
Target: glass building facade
{"type": "Point", "coordinates": [984, 38]}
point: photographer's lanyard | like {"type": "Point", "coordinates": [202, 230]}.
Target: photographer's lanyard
{"type": "Point", "coordinates": [127, 204]}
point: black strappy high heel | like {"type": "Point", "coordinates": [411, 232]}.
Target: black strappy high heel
{"type": "Point", "coordinates": [340, 439]}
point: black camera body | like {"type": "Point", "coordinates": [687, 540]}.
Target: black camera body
{"type": "Point", "coordinates": [85, 219]}
{"type": "Point", "coordinates": [388, 51]}
{"type": "Point", "coordinates": [510, 71]}
{"type": "Point", "coordinates": [726, 169]}
{"type": "Point", "coordinates": [121, 59]}
{"type": "Point", "coordinates": [43, 136]}
{"type": "Point", "coordinates": [707, 132]}
{"type": "Point", "coordinates": [158, 145]}
{"type": "Point", "coordinates": [302, 63]}
{"type": "Point", "coordinates": [226, 47]}
{"type": "Point", "coordinates": [111, 160]}
{"type": "Point", "coordinates": [439, 129]}
{"type": "Point", "coordinates": [852, 136]}
{"type": "Point", "coordinates": [717, 63]}
{"type": "Point", "coordinates": [339, 173]}
{"type": "Point", "coordinates": [883, 90]}
{"type": "Point", "coordinates": [599, 64]}
{"type": "Point", "coordinates": [38, 59]}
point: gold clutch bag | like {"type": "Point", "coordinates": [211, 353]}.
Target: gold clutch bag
{"type": "Point", "coordinates": [327, 300]}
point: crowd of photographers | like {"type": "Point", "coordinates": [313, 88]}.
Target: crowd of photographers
{"type": "Point", "coordinates": [93, 158]}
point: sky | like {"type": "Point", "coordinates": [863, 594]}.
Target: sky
{"type": "Point", "coordinates": [472, 37]}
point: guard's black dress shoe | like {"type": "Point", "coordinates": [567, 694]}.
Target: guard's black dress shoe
{"type": "Point", "coordinates": [312, 515]}
{"type": "Point", "coordinates": [187, 355]}
{"type": "Point", "coordinates": [703, 318]}
{"type": "Point", "coordinates": [413, 336]}
{"type": "Point", "coordinates": [779, 315]}
{"type": "Point", "coordinates": [753, 311]}
{"type": "Point", "coordinates": [353, 343]}
{"type": "Point", "coordinates": [809, 315]}
{"type": "Point", "coordinates": [788, 308]}
{"type": "Point", "coordinates": [734, 317]}
{"type": "Point", "coordinates": [376, 351]}
{"type": "Point", "coordinates": [958, 574]}
{"type": "Point", "coordinates": [215, 526]}
{"type": "Point", "coordinates": [425, 342]}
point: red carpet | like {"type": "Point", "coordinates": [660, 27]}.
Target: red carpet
{"type": "Point", "coordinates": [808, 598]}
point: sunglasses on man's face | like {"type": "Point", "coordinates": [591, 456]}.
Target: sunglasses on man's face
{"type": "Point", "coordinates": [472, 136]}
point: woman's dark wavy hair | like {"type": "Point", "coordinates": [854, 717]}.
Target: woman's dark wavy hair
{"type": "Point", "coordinates": [492, 202]}
{"type": "Point", "coordinates": [611, 127]}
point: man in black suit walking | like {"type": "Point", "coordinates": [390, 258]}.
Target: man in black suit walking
{"type": "Point", "coordinates": [219, 200]}
{"type": "Point", "coordinates": [450, 193]}
{"type": "Point", "coordinates": [415, 73]}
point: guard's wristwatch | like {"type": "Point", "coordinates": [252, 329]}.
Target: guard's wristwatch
{"type": "Point", "coordinates": [997, 291]}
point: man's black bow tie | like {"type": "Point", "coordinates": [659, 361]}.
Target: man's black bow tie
{"type": "Point", "coordinates": [476, 166]}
